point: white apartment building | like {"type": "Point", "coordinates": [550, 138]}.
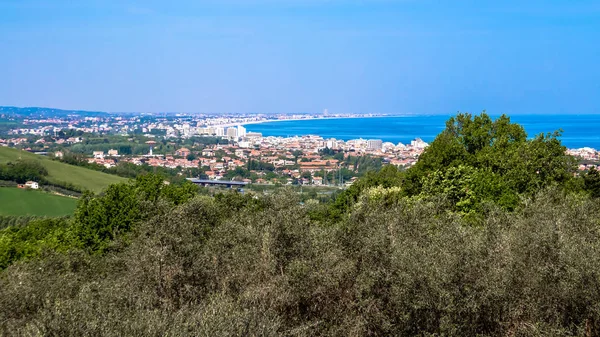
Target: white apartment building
{"type": "Point", "coordinates": [374, 144]}
{"type": "Point", "coordinates": [241, 131]}
{"type": "Point", "coordinates": [232, 133]}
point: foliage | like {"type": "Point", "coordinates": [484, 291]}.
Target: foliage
{"type": "Point", "coordinates": [363, 164]}
{"type": "Point", "coordinates": [235, 265]}
{"type": "Point", "coordinates": [100, 222]}
{"type": "Point", "coordinates": [122, 169]}
{"type": "Point", "coordinates": [8, 183]}
{"type": "Point", "coordinates": [388, 176]}
{"type": "Point", "coordinates": [468, 189]}
{"type": "Point", "coordinates": [22, 242]}
{"type": "Point", "coordinates": [592, 182]}
{"type": "Point", "coordinates": [16, 220]}
{"type": "Point", "coordinates": [124, 147]}
{"type": "Point", "coordinates": [499, 146]}
{"type": "Point", "coordinates": [477, 160]}
{"type": "Point", "coordinates": [258, 165]}
{"type": "Point", "coordinates": [101, 219]}
{"type": "Point", "coordinates": [22, 171]}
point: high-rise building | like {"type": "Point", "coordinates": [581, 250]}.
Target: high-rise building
{"type": "Point", "coordinates": [241, 131]}
{"type": "Point", "coordinates": [219, 131]}
{"type": "Point", "coordinates": [232, 133]}
{"type": "Point", "coordinates": [185, 130]}
{"type": "Point", "coordinates": [374, 144]}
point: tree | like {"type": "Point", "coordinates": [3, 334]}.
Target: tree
{"type": "Point", "coordinates": [23, 170]}
{"type": "Point", "coordinates": [496, 145]}
{"type": "Point", "coordinates": [388, 176]}
{"type": "Point", "coordinates": [473, 161]}
{"type": "Point", "coordinates": [101, 219]}
{"type": "Point", "coordinates": [591, 181]}
{"type": "Point", "coordinates": [467, 189]}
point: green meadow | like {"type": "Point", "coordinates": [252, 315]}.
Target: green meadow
{"type": "Point", "coordinates": [16, 201]}
{"type": "Point", "coordinates": [60, 172]}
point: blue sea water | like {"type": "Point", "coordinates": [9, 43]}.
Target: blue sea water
{"type": "Point", "coordinates": [578, 130]}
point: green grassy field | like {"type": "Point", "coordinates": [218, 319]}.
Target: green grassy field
{"type": "Point", "coordinates": [57, 171]}
{"type": "Point", "coordinates": [16, 201]}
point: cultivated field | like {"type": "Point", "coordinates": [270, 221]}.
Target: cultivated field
{"type": "Point", "coordinates": [16, 201]}
{"type": "Point", "coordinates": [61, 172]}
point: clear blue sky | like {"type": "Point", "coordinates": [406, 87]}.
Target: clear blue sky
{"type": "Point", "coordinates": [273, 56]}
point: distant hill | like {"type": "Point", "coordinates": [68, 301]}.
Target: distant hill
{"type": "Point", "coordinates": [15, 201]}
{"type": "Point", "coordinates": [61, 172]}
{"type": "Point", "coordinates": [38, 112]}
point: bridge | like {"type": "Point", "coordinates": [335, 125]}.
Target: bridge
{"type": "Point", "coordinates": [207, 182]}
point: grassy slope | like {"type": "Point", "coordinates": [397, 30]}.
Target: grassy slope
{"type": "Point", "coordinates": [57, 171]}
{"type": "Point", "coordinates": [15, 201]}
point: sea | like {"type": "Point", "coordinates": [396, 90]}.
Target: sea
{"type": "Point", "coordinates": [577, 130]}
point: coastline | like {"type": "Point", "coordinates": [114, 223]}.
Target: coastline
{"type": "Point", "coordinates": [402, 128]}
{"type": "Point", "coordinates": [317, 119]}
{"type": "Point", "coordinates": [303, 119]}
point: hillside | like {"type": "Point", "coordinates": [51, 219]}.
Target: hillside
{"type": "Point", "coordinates": [61, 172]}
{"type": "Point", "coordinates": [41, 112]}
{"type": "Point", "coordinates": [15, 201]}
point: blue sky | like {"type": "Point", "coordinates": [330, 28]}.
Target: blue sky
{"type": "Point", "coordinates": [284, 56]}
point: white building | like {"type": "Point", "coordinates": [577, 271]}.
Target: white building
{"type": "Point", "coordinates": [241, 131]}
{"type": "Point", "coordinates": [220, 131]}
{"type": "Point", "coordinates": [186, 130]}
{"type": "Point", "coordinates": [208, 131]}
{"type": "Point", "coordinates": [332, 144]}
{"type": "Point", "coordinates": [232, 133]}
{"type": "Point", "coordinates": [418, 143]}
{"type": "Point", "coordinates": [32, 184]}
{"type": "Point", "coordinates": [374, 144]}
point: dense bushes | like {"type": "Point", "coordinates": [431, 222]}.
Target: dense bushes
{"type": "Point", "coordinates": [477, 160]}
{"type": "Point", "coordinates": [244, 266]}
{"type": "Point", "coordinates": [98, 221]}
{"type": "Point", "coordinates": [28, 241]}
{"type": "Point", "coordinates": [22, 171]}
{"type": "Point", "coordinates": [63, 189]}
{"type": "Point", "coordinates": [16, 221]}
{"type": "Point", "coordinates": [497, 158]}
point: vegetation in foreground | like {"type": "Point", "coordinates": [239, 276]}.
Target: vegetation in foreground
{"type": "Point", "coordinates": [489, 235]}
{"type": "Point", "coordinates": [62, 174]}
{"type": "Point", "coordinates": [15, 201]}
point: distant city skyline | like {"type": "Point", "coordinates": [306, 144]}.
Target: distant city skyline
{"type": "Point", "coordinates": [293, 56]}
